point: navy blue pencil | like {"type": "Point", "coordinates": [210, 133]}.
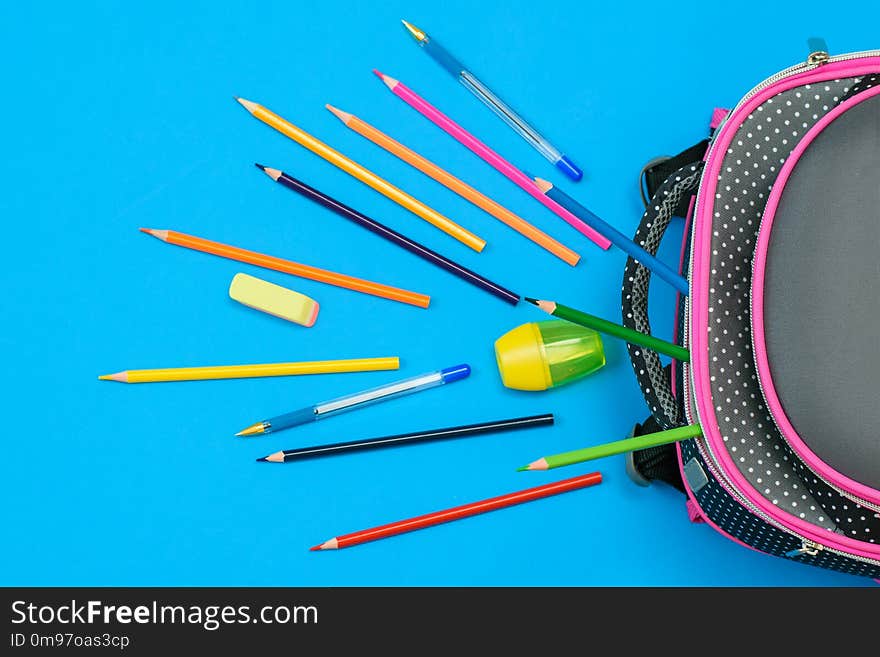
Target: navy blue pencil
{"type": "Point", "coordinates": [409, 438]}
{"type": "Point", "coordinates": [617, 238]}
{"type": "Point", "coordinates": [391, 235]}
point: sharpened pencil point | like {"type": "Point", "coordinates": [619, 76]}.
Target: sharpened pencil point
{"type": "Point", "coordinates": [544, 185]}
{"type": "Point", "coordinates": [534, 302]}
{"type": "Point", "coordinates": [274, 174]}
{"type": "Point", "coordinates": [121, 377]}
{"type": "Point", "coordinates": [158, 234]}
{"type": "Point", "coordinates": [262, 458]}
{"type": "Point", "coordinates": [248, 105]}
{"type": "Point", "coordinates": [522, 469]}
{"type": "Point", "coordinates": [259, 166]}
{"type": "Point", "coordinates": [388, 80]}
{"type": "Point", "coordinates": [316, 548]}
{"type": "Point", "coordinates": [345, 117]}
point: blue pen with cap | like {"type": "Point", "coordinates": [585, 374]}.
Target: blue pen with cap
{"type": "Point", "coordinates": [443, 57]}
{"type": "Point", "coordinates": [358, 400]}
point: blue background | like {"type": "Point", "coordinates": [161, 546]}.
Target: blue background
{"type": "Point", "coordinates": [119, 116]}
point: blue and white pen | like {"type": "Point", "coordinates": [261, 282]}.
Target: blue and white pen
{"type": "Point", "coordinates": [443, 57]}
{"type": "Point", "coordinates": [358, 400]}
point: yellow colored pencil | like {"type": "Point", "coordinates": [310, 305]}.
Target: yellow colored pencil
{"type": "Point", "coordinates": [457, 185]}
{"type": "Point", "coordinates": [252, 371]}
{"type": "Point", "coordinates": [366, 176]}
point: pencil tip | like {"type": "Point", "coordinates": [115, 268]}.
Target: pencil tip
{"type": "Point", "coordinates": [259, 166]}
{"type": "Point", "coordinates": [534, 302]}
{"type": "Point", "coordinates": [315, 548]}
{"type": "Point", "coordinates": [248, 105]}
{"type": "Point", "coordinates": [345, 117]}
{"type": "Point", "coordinates": [544, 185]}
{"type": "Point", "coordinates": [105, 377]}
{"type": "Point", "coordinates": [274, 174]}
{"type": "Point", "coordinates": [148, 231]}
{"type": "Point", "coordinates": [390, 82]}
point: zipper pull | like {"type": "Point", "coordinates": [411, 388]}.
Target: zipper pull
{"type": "Point", "coordinates": [818, 51]}
{"type": "Point", "coordinates": [807, 548]}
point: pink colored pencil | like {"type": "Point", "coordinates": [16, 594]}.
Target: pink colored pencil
{"type": "Point", "coordinates": [418, 103]}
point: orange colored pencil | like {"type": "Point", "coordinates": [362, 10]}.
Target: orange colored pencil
{"type": "Point", "coordinates": [366, 176]}
{"type": "Point", "coordinates": [458, 186]}
{"type": "Point", "coordinates": [290, 267]}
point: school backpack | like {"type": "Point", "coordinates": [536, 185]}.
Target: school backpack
{"type": "Point", "coordinates": [782, 319]}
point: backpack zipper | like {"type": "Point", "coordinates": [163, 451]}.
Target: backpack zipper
{"type": "Point", "coordinates": [814, 60]}
{"type": "Point", "coordinates": [709, 459]}
{"type": "Point", "coordinates": [807, 548]}
{"type": "Point", "coordinates": [693, 417]}
{"type": "Point", "coordinates": [844, 494]}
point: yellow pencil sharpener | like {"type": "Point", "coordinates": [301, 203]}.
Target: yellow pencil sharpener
{"type": "Point", "coordinates": [542, 355]}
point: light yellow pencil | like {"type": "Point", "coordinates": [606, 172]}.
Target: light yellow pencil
{"type": "Point", "coordinates": [252, 371]}
{"type": "Point", "coordinates": [366, 176]}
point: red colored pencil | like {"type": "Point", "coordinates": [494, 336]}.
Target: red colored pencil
{"type": "Point", "coordinates": [456, 513]}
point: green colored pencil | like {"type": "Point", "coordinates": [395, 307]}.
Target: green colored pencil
{"type": "Point", "coordinates": [610, 328]}
{"type": "Point", "coordinates": [617, 447]}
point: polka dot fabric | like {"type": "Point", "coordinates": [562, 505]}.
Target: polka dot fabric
{"type": "Point", "coordinates": [750, 166]}
{"type": "Point", "coordinates": [737, 521]}
{"type": "Point", "coordinates": [861, 85]}
{"type": "Point", "coordinates": [758, 149]}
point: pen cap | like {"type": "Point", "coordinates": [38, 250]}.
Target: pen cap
{"type": "Point", "coordinates": [451, 374]}
{"type": "Point", "coordinates": [542, 355]}
{"type": "Point", "coordinates": [569, 168]}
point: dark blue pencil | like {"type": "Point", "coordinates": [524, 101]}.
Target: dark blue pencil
{"type": "Point", "coordinates": [391, 235]}
{"type": "Point", "coordinates": [410, 438]}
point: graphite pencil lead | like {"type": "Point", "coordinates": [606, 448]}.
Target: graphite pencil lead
{"type": "Point", "coordinates": [534, 302]}
{"type": "Point", "coordinates": [274, 174]}
{"type": "Point", "coordinates": [262, 458]}
{"type": "Point", "coordinates": [259, 166]}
